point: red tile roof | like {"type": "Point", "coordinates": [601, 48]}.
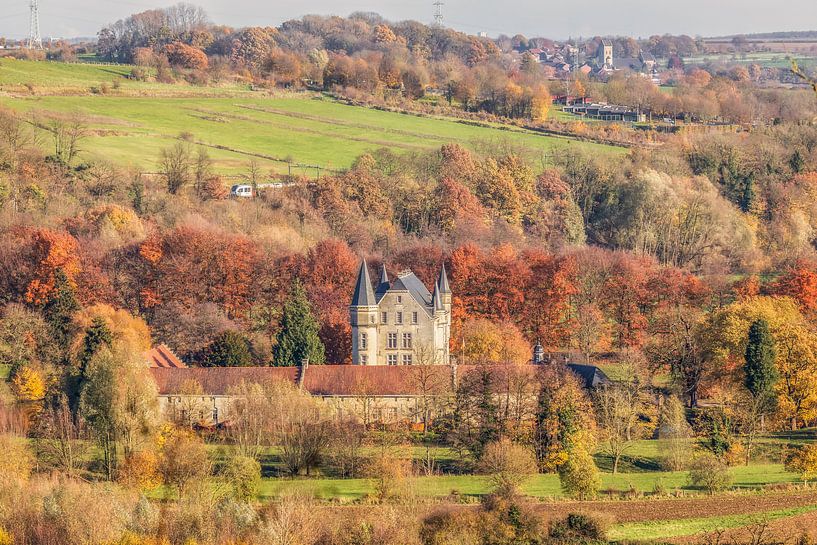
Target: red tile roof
{"type": "Point", "coordinates": [354, 380]}
{"type": "Point", "coordinates": [351, 380]}
{"type": "Point", "coordinates": [219, 380]}
{"type": "Point", "coordinates": [162, 356]}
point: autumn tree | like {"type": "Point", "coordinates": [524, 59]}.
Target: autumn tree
{"type": "Point", "coordinates": [508, 465]}
{"type": "Point", "coordinates": [674, 434]}
{"type": "Point", "coordinates": [185, 56]}
{"type": "Point", "coordinates": [564, 419]}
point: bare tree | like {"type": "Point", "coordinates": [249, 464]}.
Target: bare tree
{"type": "Point", "coordinates": [176, 166]}
{"type": "Point", "coordinates": [618, 410]}
{"type": "Point", "coordinates": [15, 136]}
{"type": "Point", "coordinates": [430, 380]}
{"type": "Point", "coordinates": [59, 438]}
{"type": "Point", "coordinates": [251, 419]}
{"type": "Point", "coordinates": [66, 135]}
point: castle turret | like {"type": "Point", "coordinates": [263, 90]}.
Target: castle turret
{"type": "Point", "coordinates": [363, 316]}
{"type": "Point", "coordinates": [384, 285]}
{"type": "Point", "coordinates": [445, 289]}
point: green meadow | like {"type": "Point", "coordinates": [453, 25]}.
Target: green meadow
{"type": "Point", "coordinates": [131, 124]}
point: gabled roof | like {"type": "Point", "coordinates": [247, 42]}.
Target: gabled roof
{"type": "Point", "coordinates": [410, 283]}
{"type": "Point", "coordinates": [219, 381]}
{"type": "Point", "coordinates": [591, 375]}
{"type": "Point", "coordinates": [364, 295]}
{"type": "Point", "coordinates": [163, 357]}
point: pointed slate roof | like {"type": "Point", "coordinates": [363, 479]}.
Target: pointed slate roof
{"type": "Point", "coordinates": [443, 281]}
{"type": "Point", "coordinates": [364, 295]}
{"type": "Point", "coordinates": [384, 285]}
{"type": "Point", "coordinates": [438, 302]}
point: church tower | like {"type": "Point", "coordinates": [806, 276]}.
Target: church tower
{"type": "Point", "coordinates": [363, 318]}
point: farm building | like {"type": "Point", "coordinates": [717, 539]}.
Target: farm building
{"type": "Point", "coordinates": [374, 394]}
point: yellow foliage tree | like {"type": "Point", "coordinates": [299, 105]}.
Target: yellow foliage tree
{"type": "Point", "coordinates": [725, 334]}
{"type": "Point", "coordinates": [28, 384]}
{"type": "Point", "coordinates": [486, 342]}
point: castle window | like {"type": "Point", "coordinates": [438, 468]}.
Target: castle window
{"type": "Point", "coordinates": [364, 359]}
{"type": "Point", "coordinates": [364, 341]}
{"type": "Point", "coordinates": [414, 318]}
{"type": "Point", "coordinates": [406, 359]}
{"type": "Point", "coordinates": [392, 339]}
{"type": "Point", "coordinates": [399, 298]}
{"type": "Point", "coordinates": [384, 317]}
{"type": "Point", "coordinates": [391, 359]}
{"type": "Point", "coordinates": [407, 341]}
{"type": "Point", "coordinates": [399, 318]}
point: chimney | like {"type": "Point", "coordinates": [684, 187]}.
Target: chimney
{"type": "Point", "coordinates": [302, 372]}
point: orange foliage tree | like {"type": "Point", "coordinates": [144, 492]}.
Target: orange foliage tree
{"type": "Point", "coordinates": [52, 251]}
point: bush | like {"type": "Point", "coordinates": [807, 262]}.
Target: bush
{"type": "Point", "coordinates": [244, 476]}
{"type": "Point", "coordinates": [710, 474]}
{"type": "Point", "coordinates": [579, 475]}
{"type": "Point", "coordinates": [580, 527]}
{"type": "Point", "coordinates": [509, 466]}
{"type": "Point", "coordinates": [139, 471]}
{"type": "Point", "coordinates": [17, 460]}
{"type": "Point", "coordinates": [803, 461]}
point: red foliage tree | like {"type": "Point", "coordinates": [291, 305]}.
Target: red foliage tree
{"type": "Point", "coordinates": [329, 272]}
{"type": "Point", "coordinates": [185, 56]}
{"type": "Point", "coordinates": [799, 283]}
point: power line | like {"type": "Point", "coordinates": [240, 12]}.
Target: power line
{"type": "Point", "coordinates": [35, 41]}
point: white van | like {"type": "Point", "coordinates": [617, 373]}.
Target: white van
{"type": "Point", "coordinates": [241, 191]}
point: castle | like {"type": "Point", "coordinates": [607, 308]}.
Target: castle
{"type": "Point", "coordinates": [400, 322]}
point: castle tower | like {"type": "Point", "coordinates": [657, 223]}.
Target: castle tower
{"type": "Point", "coordinates": [363, 318]}
{"type": "Point", "coordinates": [442, 300]}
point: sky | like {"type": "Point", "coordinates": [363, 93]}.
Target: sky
{"type": "Point", "coordinates": [553, 19]}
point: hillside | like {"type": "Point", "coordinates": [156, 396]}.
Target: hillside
{"type": "Point", "coordinates": [131, 124]}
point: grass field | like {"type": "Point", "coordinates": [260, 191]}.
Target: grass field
{"type": "Point", "coordinates": [541, 486]}
{"type": "Point", "coordinates": [130, 129]}
{"type": "Point", "coordinates": [668, 529]}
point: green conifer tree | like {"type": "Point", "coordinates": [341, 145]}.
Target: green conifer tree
{"type": "Point", "coordinates": [298, 338]}
{"type": "Point", "coordinates": [230, 349]}
{"type": "Point", "coordinates": [760, 370]}
{"type": "Point", "coordinates": [60, 308]}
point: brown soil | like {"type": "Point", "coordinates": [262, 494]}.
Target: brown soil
{"type": "Point", "coordinates": [683, 508]}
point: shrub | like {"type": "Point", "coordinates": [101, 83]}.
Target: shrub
{"type": "Point", "coordinates": [580, 527]}
{"type": "Point", "coordinates": [183, 460]}
{"type": "Point", "coordinates": [139, 471]}
{"type": "Point", "coordinates": [17, 460]}
{"type": "Point", "coordinates": [579, 475]}
{"type": "Point", "coordinates": [244, 476]}
{"type": "Point", "coordinates": [509, 466]}
{"type": "Point", "coordinates": [710, 474]}
{"type": "Point", "coordinates": [803, 461]}
{"type": "Point", "coordinates": [389, 474]}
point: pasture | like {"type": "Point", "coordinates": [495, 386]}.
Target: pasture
{"type": "Point", "coordinates": [131, 125]}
